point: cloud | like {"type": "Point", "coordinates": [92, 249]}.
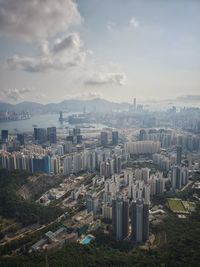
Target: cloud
{"type": "Point", "coordinates": [66, 52]}
{"type": "Point", "coordinates": [85, 96]}
{"type": "Point", "coordinates": [43, 64]}
{"type": "Point", "coordinates": [134, 23]}
{"type": "Point", "coordinates": [71, 41]}
{"type": "Point", "coordinates": [188, 98]}
{"type": "Point", "coordinates": [44, 48]}
{"type": "Point", "coordinates": [32, 20]}
{"type": "Point", "coordinates": [37, 21]}
{"type": "Point", "coordinates": [113, 27]}
{"type": "Point", "coordinates": [91, 95]}
{"type": "Point", "coordinates": [15, 94]}
{"type": "Point", "coordinates": [106, 79]}
{"type": "Point", "coordinates": [30, 64]}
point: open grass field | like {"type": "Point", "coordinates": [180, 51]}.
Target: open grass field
{"type": "Point", "coordinates": [176, 205]}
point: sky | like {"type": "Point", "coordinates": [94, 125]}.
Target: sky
{"type": "Point", "coordinates": [114, 49]}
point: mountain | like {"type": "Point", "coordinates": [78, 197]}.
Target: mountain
{"type": "Point", "coordinates": [5, 106]}
{"type": "Point", "coordinates": [189, 98]}
{"type": "Point", "coordinates": [29, 106]}
{"type": "Point", "coordinates": [95, 104]}
{"type": "Point", "coordinates": [73, 105]}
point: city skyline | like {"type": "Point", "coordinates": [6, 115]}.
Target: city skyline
{"type": "Point", "coordinates": [91, 49]}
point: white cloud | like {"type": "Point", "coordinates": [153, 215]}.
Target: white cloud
{"type": "Point", "coordinates": [44, 48]}
{"type": "Point", "coordinates": [32, 20]}
{"type": "Point", "coordinates": [85, 96]}
{"type": "Point", "coordinates": [134, 23]}
{"type": "Point", "coordinates": [64, 53]}
{"type": "Point", "coordinates": [30, 64]}
{"type": "Point", "coordinates": [37, 20]}
{"type": "Point", "coordinates": [72, 41]}
{"type": "Point", "coordinates": [15, 94]}
{"type": "Point", "coordinates": [106, 79]}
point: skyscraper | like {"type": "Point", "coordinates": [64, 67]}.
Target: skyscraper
{"type": "Point", "coordinates": [104, 138]}
{"type": "Point", "coordinates": [117, 164]}
{"type": "Point", "coordinates": [61, 117]}
{"type": "Point", "coordinates": [92, 203]}
{"type": "Point", "coordinates": [75, 136]}
{"type": "Point", "coordinates": [67, 165]}
{"type": "Point", "coordinates": [4, 135]}
{"type": "Point", "coordinates": [20, 138]}
{"type": "Point", "coordinates": [77, 163]}
{"type": "Point", "coordinates": [115, 138]}
{"type": "Point", "coordinates": [55, 165]}
{"type": "Point", "coordinates": [120, 217]}
{"type": "Point", "coordinates": [178, 155]}
{"type": "Point", "coordinates": [51, 135]}
{"type": "Point", "coordinates": [179, 177]}
{"type": "Point", "coordinates": [40, 135]}
{"type": "Point", "coordinates": [142, 135]}
{"type": "Point", "coordinates": [79, 138]}
{"type": "Point", "coordinates": [42, 164]}
{"type": "Point", "coordinates": [67, 147]}
{"type": "Point", "coordinates": [107, 211]}
{"type": "Point", "coordinates": [139, 221]}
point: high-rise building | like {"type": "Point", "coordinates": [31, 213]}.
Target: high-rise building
{"type": "Point", "coordinates": [79, 138]}
{"type": "Point", "coordinates": [107, 211]}
{"type": "Point", "coordinates": [104, 138]}
{"type": "Point", "coordinates": [162, 161]}
{"type": "Point", "coordinates": [70, 138]}
{"type": "Point", "coordinates": [4, 135]}
{"type": "Point", "coordinates": [77, 163]}
{"type": "Point", "coordinates": [67, 165]}
{"type": "Point", "coordinates": [107, 198]}
{"type": "Point", "coordinates": [120, 217]}
{"type": "Point", "coordinates": [75, 136]}
{"type": "Point", "coordinates": [178, 155]}
{"type": "Point", "coordinates": [115, 138]}
{"type": "Point", "coordinates": [51, 135]}
{"type": "Point", "coordinates": [139, 221]}
{"type": "Point", "coordinates": [92, 203]}
{"type": "Point", "coordinates": [143, 147]}
{"type": "Point", "coordinates": [40, 135]}
{"type": "Point", "coordinates": [55, 165]}
{"type": "Point", "coordinates": [160, 186]}
{"type": "Point", "coordinates": [36, 134]}
{"type": "Point", "coordinates": [146, 193]}
{"type": "Point", "coordinates": [142, 135]}
{"type": "Point", "coordinates": [117, 164]}
{"type": "Point", "coordinates": [145, 174]}
{"type": "Point", "coordinates": [105, 168]}
{"type": "Point", "coordinates": [20, 138]}
{"type": "Point", "coordinates": [42, 164]}
{"type": "Point", "coordinates": [128, 176]}
{"type": "Point", "coordinates": [67, 147]}
{"type": "Point", "coordinates": [157, 184]}
{"type": "Point", "coordinates": [58, 149]}
{"type": "Point", "coordinates": [61, 117]}
{"type": "Point", "coordinates": [90, 161]}
{"type": "Point", "coordinates": [179, 177]}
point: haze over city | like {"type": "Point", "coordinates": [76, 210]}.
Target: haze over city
{"type": "Point", "coordinates": [54, 50]}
